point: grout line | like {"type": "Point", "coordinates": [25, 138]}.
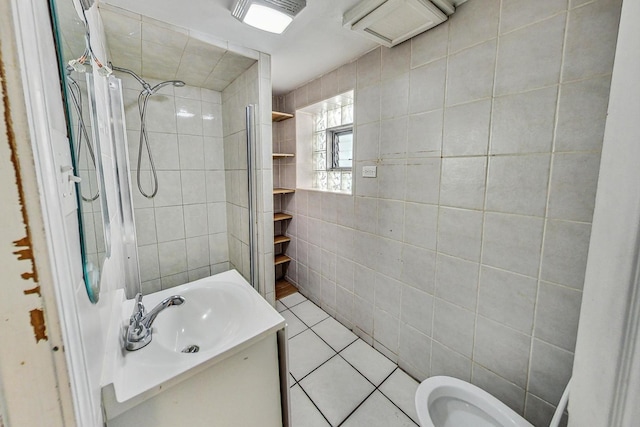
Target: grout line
{"type": "Point", "coordinates": [438, 204]}
{"type": "Point", "coordinates": [539, 21]}
{"type": "Point", "coordinates": [338, 353]}
{"type": "Point", "coordinates": [376, 388]}
{"type": "Point", "coordinates": [316, 368]}
{"type": "Point", "coordinates": [546, 213]}
{"type": "Point", "coordinates": [313, 403]}
{"type": "Point", "coordinates": [365, 377]}
{"type": "Point", "coordinates": [486, 192]}
{"type": "Point", "coordinates": [289, 307]}
{"type": "Point", "coordinates": [390, 400]}
{"type": "Point", "coordinates": [356, 408]}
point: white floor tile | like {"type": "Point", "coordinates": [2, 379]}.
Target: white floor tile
{"type": "Point", "coordinates": [336, 389]}
{"type": "Point", "coordinates": [306, 353]}
{"type": "Point", "coordinates": [293, 299]}
{"type": "Point", "coordinates": [334, 333]}
{"type": "Point", "coordinates": [294, 325]}
{"type": "Point", "coordinates": [378, 411]}
{"type": "Point", "coordinates": [368, 361]}
{"type": "Point", "coordinates": [400, 388]}
{"type": "Point", "coordinates": [309, 313]}
{"type": "Point", "coordinates": [280, 306]}
{"type": "Point", "coordinates": [303, 412]}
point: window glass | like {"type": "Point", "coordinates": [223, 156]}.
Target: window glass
{"type": "Point", "coordinates": [331, 142]}
{"type": "Point", "coordinates": [343, 149]}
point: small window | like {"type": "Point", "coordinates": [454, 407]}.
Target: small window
{"type": "Point", "coordinates": [340, 147]}
{"type": "Point", "coordinates": [325, 145]}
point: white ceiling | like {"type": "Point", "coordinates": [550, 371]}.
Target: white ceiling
{"type": "Point", "coordinates": [314, 43]}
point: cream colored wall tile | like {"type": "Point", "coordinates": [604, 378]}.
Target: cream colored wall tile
{"type": "Point", "coordinates": [474, 22]}
{"type": "Point", "coordinates": [536, 47]}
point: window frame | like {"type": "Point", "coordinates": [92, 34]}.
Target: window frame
{"type": "Point", "coordinates": [331, 144]}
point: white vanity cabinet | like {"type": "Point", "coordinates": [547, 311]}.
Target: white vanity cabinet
{"type": "Point", "coordinates": [242, 390]}
{"type": "Point", "coordinates": [238, 378]}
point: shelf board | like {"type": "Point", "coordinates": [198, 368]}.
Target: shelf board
{"type": "Point", "coordinates": [284, 288]}
{"type": "Point", "coordinates": [277, 116]}
{"type": "Point", "coordinates": [281, 155]}
{"type": "Point", "coordinates": [280, 239]}
{"type": "Point", "coordinates": [281, 259]}
{"type": "Point", "coordinates": [281, 216]}
{"type": "Point", "coordinates": [283, 190]}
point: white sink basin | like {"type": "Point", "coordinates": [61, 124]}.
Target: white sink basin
{"type": "Point", "coordinates": [212, 315]}
{"type": "Point", "coordinates": [221, 314]}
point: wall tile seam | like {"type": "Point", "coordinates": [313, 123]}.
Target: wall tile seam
{"type": "Point", "coordinates": [544, 229]}
{"type": "Point", "coordinates": [561, 285]}
{"type": "Point", "coordinates": [587, 3]}
{"type": "Point", "coordinates": [554, 346]}
{"type": "Point", "coordinates": [552, 404]}
{"type": "Point", "coordinates": [524, 392]}
{"type": "Point", "coordinates": [469, 47]}
{"type": "Point", "coordinates": [537, 153]}
{"type": "Point", "coordinates": [432, 60]}
{"type": "Point", "coordinates": [532, 23]}
{"type": "Point", "coordinates": [485, 190]}
{"type": "Point", "coordinates": [531, 334]}
{"type": "Point", "coordinates": [388, 351]}
{"type": "Point", "coordinates": [503, 270]}
{"type": "Point", "coordinates": [435, 59]}
{"type": "Point", "coordinates": [374, 234]}
{"type": "Point", "coordinates": [402, 363]}
{"type": "Point", "coordinates": [585, 78]}
{"type": "Point", "coordinates": [448, 106]}
{"type": "Point", "coordinates": [494, 96]}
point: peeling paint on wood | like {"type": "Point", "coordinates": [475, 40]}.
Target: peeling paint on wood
{"type": "Point", "coordinates": [39, 327]}
{"type": "Point", "coordinates": [24, 245]}
{"type": "Point", "coordinates": [27, 252]}
{"type": "Point", "coordinates": [35, 290]}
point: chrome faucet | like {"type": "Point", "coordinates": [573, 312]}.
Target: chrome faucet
{"type": "Point", "coordinates": [139, 332]}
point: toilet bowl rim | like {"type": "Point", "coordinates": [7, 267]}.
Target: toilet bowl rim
{"type": "Point", "coordinates": [428, 391]}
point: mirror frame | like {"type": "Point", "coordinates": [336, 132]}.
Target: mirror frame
{"type": "Point", "coordinates": [91, 272]}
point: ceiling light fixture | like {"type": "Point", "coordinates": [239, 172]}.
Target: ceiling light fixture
{"type": "Point", "coordinates": [273, 16]}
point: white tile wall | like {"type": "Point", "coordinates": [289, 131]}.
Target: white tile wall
{"type": "Point", "coordinates": [466, 255]}
{"type": "Point", "coordinates": [177, 228]}
{"type": "Point", "coordinates": [252, 87]}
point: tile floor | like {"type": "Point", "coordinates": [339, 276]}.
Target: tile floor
{"type": "Point", "coordinates": [337, 379]}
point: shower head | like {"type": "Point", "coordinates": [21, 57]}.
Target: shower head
{"type": "Point", "coordinates": [176, 83]}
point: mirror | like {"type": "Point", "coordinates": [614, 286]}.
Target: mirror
{"type": "Point", "coordinates": [187, 153]}
{"type": "Point", "coordinates": [77, 88]}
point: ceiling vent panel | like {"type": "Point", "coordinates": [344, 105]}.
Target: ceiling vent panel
{"type": "Point", "coordinates": [390, 22]}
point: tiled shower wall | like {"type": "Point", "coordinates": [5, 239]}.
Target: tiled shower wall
{"type": "Point", "coordinates": [251, 87]}
{"type": "Point", "coordinates": [236, 97]}
{"type": "Point", "coordinates": [466, 255]}
{"type": "Point", "coordinates": [182, 232]}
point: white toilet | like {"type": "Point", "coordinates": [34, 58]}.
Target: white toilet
{"type": "Point", "coordinates": [450, 402]}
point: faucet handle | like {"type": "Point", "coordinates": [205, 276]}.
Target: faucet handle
{"type": "Point", "coordinates": [138, 308]}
